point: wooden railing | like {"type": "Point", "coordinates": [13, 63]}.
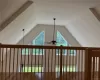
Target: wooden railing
{"type": "Point", "coordinates": [28, 62]}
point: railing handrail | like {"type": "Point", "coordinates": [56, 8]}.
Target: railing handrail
{"type": "Point", "coordinates": [41, 47]}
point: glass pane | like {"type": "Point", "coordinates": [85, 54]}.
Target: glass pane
{"type": "Point", "coordinates": [39, 40]}
{"type": "Point", "coordinates": [26, 51]}
{"type": "Point", "coordinates": [61, 41]}
{"type": "Point", "coordinates": [64, 52]}
{"type": "Point", "coordinates": [66, 69]}
{"type": "Point", "coordinates": [72, 52]}
{"type": "Point", "coordinates": [33, 69]}
{"type": "Point", "coordinates": [38, 52]}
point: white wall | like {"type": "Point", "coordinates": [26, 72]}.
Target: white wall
{"type": "Point", "coordinates": [13, 32]}
{"type": "Point", "coordinates": [86, 29]}
{"type": "Point", "coordinates": [49, 34]}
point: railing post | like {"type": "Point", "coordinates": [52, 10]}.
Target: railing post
{"type": "Point", "coordinates": [86, 64]}
{"type": "Point", "coordinates": [61, 62]}
{"type": "Point", "coordinates": [0, 54]}
{"type": "Point", "coordinates": [0, 57]}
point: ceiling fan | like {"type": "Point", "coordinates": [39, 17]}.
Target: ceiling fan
{"type": "Point", "coordinates": [53, 42]}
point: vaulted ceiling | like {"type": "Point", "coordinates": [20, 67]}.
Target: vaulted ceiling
{"type": "Point", "coordinates": [64, 0]}
{"type": "Point", "coordinates": [74, 15]}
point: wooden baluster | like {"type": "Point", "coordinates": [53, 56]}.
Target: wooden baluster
{"type": "Point", "coordinates": [5, 63]}
{"type": "Point", "coordinates": [51, 63]}
{"type": "Point", "coordinates": [89, 66]}
{"type": "Point", "coordinates": [28, 59]}
{"type": "Point", "coordinates": [32, 60]}
{"type": "Point", "coordinates": [35, 58]}
{"type": "Point", "coordinates": [96, 74]}
{"type": "Point", "coordinates": [42, 64]}
{"type": "Point", "coordinates": [76, 62]}
{"type": "Point", "coordinates": [99, 69]}
{"type": "Point", "coordinates": [2, 63]}
{"type": "Point", "coordinates": [38, 60]}
{"type": "Point", "coordinates": [24, 64]}
{"type": "Point", "coordinates": [61, 62]}
{"type": "Point", "coordinates": [24, 60]}
{"type": "Point", "coordinates": [63, 65]}
{"type": "Point", "coordinates": [73, 62]}
{"type": "Point", "coordinates": [67, 58]}
{"type": "Point", "coordinates": [86, 77]}
{"type": "Point", "coordinates": [58, 65]}
{"type": "Point", "coordinates": [9, 61]}
{"type": "Point", "coordinates": [48, 63]}
{"type": "Point", "coordinates": [93, 67]}
{"type": "Point", "coordinates": [21, 65]}
{"type": "Point", "coordinates": [0, 60]}
{"type": "Point", "coordinates": [17, 63]}
{"type": "Point", "coordinates": [82, 64]}
{"type": "Point", "coordinates": [55, 61]}
{"type": "Point", "coordinates": [13, 60]}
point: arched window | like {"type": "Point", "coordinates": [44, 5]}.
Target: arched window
{"type": "Point", "coordinates": [39, 40]}
{"type": "Point", "coordinates": [62, 41]}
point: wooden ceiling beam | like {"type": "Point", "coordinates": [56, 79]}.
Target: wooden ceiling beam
{"type": "Point", "coordinates": [15, 15]}
{"type": "Point", "coordinates": [93, 10]}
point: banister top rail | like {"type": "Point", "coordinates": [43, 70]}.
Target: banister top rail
{"type": "Point", "coordinates": [47, 47]}
{"type": "Point", "coordinates": [41, 47]}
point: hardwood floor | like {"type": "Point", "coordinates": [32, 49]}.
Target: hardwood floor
{"type": "Point", "coordinates": [43, 76]}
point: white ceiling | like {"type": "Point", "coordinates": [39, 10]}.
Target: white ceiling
{"type": "Point", "coordinates": [64, 12]}
{"type": "Point", "coordinates": [66, 0]}
{"type": "Point", "coordinates": [45, 10]}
